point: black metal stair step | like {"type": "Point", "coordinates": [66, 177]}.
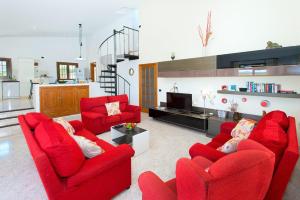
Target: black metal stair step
{"type": "Point", "coordinates": [107, 82]}
{"type": "Point", "coordinates": [107, 77]}
{"type": "Point", "coordinates": [108, 87]}
{"type": "Point", "coordinates": [131, 57]}
{"type": "Point", "coordinates": [120, 60]}
{"type": "Point", "coordinates": [108, 71]}
{"type": "Point", "coordinates": [112, 65]}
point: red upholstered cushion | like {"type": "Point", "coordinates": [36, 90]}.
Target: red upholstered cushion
{"type": "Point", "coordinates": [221, 138]}
{"type": "Point", "coordinates": [112, 119]}
{"type": "Point", "coordinates": [96, 104]}
{"type": "Point", "coordinates": [33, 119]}
{"type": "Point", "coordinates": [127, 116]}
{"type": "Point", "coordinates": [123, 99]}
{"type": "Point", "coordinates": [63, 152]}
{"type": "Point", "coordinates": [272, 136]}
{"type": "Point", "coordinates": [278, 117]}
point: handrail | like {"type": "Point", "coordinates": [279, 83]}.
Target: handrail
{"type": "Point", "coordinates": [117, 32]}
{"type": "Point", "coordinates": [130, 28]}
{"type": "Point", "coordinates": [123, 79]}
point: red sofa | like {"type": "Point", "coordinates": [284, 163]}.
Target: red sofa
{"type": "Point", "coordinates": [277, 132]}
{"type": "Point", "coordinates": [245, 174]}
{"type": "Point", "coordinates": [100, 177]}
{"type": "Point", "coordinates": [94, 114]}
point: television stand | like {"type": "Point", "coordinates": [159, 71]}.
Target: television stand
{"type": "Point", "coordinates": [189, 119]}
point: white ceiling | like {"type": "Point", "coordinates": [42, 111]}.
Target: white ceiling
{"type": "Point", "coordinates": [59, 17]}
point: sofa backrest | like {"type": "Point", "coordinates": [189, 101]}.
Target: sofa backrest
{"type": "Point", "coordinates": [123, 99]}
{"type": "Point", "coordinates": [51, 181]}
{"type": "Point", "coordinates": [245, 174]}
{"type": "Point", "coordinates": [94, 104]}
{"type": "Point", "coordinates": [286, 164]}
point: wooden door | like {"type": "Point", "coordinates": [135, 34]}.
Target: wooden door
{"type": "Point", "coordinates": [148, 86]}
{"type": "Point", "coordinates": [92, 71]}
{"type": "Point", "coordinates": [50, 102]}
{"type": "Point", "coordinates": [68, 100]}
{"type": "Point", "coordinates": [81, 92]}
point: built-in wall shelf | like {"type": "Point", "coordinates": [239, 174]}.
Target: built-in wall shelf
{"type": "Point", "coordinates": [281, 95]}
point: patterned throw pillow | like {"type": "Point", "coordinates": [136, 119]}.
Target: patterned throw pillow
{"type": "Point", "coordinates": [113, 108]}
{"type": "Point", "coordinates": [67, 126]}
{"type": "Point", "coordinates": [241, 132]}
{"type": "Point", "coordinates": [231, 145]}
{"type": "Point", "coordinates": [243, 128]}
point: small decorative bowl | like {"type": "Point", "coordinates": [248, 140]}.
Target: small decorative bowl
{"type": "Point", "coordinates": [130, 126]}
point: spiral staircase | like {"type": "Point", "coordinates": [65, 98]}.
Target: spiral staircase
{"type": "Point", "coordinates": [120, 46]}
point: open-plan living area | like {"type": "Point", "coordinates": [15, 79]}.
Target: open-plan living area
{"type": "Point", "coordinates": [149, 100]}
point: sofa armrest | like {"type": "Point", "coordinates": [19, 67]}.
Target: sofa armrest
{"type": "Point", "coordinates": [101, 163]}
{"type": "Point", "coordinates": [227, 127]}
{"type": "Point", "coordinates": [77, 125]}
{"type": "Point", "coordinates": [132, 108]}
{"type": "Point", "coordinates": [206, 152]}
{"type": "Point", "coordinates": [153, 187]}
{"type": "Point", "coordinates": [92, 115]}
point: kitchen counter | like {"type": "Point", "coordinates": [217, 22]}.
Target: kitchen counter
{"type": "Point", "coordinates": [63, 84]}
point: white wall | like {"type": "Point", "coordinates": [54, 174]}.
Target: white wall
{"type": "Point", "coordinates": [54, 49]}
{"type": "Point", "coordinates": [93, 42]}
{"type": "Point", "coordinates": [171, 26]}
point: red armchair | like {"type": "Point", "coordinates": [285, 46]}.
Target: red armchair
{"type": "Point", "coordinates": [280, 138]}
{"type": "Point", "coordinates": [94, 114]}
{"type": "Point", "coordinates": [101, 177]}
{"type": "Point", "coordinates": [245, 175]}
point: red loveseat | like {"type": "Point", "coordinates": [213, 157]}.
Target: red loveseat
{"type": "Point", "coordinates": [275, 131]}
{"type": "Point", "coordinates": [65, 173]}
{"type": "Point", "coordinates": [243, 175]}
{"type": "Point", "coordinates": [94, 114]}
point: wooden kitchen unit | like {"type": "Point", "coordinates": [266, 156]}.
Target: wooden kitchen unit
{"type": "Point", "coordinates": [57, 101]}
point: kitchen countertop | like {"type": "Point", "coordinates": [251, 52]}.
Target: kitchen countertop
{"type": "Point", "coordinates": [62, 85]}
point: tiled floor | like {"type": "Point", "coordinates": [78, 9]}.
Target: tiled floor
{"type": "Point", "coordinates": [19, 178]}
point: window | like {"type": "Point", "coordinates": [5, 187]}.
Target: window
{"type": "Point", "coordinates": [5, 67]}
{"type": "Point", "coordinates": [66, 71]}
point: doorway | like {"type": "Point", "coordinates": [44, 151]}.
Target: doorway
{"type": "Point", "coordinates": [93, 71]}
{"type": "Point", "coordinates": [148, 74]}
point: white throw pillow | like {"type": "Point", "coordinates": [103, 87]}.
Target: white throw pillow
{"type": "Point", "coordinates": [89, 148]}
{"type": "Point", "coordinates": [67, 126]}
{"type": "Point", "coordinates": [113, 108]}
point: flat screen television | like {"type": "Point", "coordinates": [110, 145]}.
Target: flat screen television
{"type": "Point", "coordinates": [179, 101]}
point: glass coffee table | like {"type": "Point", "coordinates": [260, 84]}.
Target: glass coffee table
{"type": "Point", "coordinates": [138, 138]}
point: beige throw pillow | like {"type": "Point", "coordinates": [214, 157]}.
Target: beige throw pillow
{"type": "Point", "coordinates": [113, 108]}
{"type": "Point", "coordinates": [89, 148]}
{"type": "Point", "coordinates": [67, 126]}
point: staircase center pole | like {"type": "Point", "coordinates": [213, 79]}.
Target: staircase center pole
{"type": "Point", "coordinates": [115, 59]}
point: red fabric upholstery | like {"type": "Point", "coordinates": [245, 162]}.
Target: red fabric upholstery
{"type": "Point", "coordinates": [94, 113]}
{"type": "Point", "coordinates": [276, 132]}
{"type": "Point", "coordinates": [101, 177]}
{"type": "Point", "coordinates": [64, 153]}
{"type": "Point", "coordinates": [245, 175]}
{"type": "Point", "coordinates": [272, 136]}
{"type": "Point", "coordinates": [33, 119]}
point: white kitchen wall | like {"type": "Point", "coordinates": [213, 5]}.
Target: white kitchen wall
{"type": "Point", "coordinates": [54, 49]}
{"type": "Point", "coordinates": [171, 26]}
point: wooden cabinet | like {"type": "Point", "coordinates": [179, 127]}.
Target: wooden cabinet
{"type": "Point", "coordinates": [59, 101]}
